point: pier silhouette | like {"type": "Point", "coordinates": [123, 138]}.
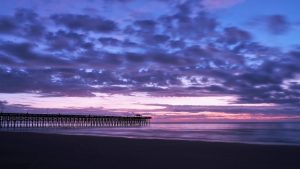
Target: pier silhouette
{"type": "Point", "coordinates": [25, 120]}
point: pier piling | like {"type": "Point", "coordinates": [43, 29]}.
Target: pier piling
{"type": "Point", "coordinates": [22, 120]}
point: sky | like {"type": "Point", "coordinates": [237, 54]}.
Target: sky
{"type": "Point", "coordinates": [174, 60]}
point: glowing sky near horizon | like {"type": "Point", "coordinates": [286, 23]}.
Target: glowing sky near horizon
{"type": "Point", "coordinates": [176, 60]}
{"type": "Point", "coordinates": [136, 101]}
{"type": "Point", "coordinates": [141, 103]}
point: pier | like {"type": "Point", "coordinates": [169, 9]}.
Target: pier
{"type": "Point", "coordinates": [25, 120]}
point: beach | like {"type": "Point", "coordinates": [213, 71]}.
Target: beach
{"type": "Point", "coordinates": [52, 151]}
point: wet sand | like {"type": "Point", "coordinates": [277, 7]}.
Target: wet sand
{"type": "Point", "coordinates": [50, 151]}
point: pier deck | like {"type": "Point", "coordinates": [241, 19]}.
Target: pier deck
{"type": "Point", "coordinates": [25, 120]}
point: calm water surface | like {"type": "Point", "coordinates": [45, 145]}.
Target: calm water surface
{"type": "Point", "coordinates": [254, 133]}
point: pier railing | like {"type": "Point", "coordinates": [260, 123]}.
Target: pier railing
{"type": "Point", "coordinates": [22, 120]}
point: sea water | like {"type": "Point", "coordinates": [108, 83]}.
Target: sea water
{"type": "Point", "coordinates": [287, 133]}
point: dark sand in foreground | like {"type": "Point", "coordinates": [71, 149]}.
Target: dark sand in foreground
{"type": "Point", "coordinates": [49, 151]}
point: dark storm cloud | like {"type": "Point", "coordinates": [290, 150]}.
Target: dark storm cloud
{"type": "Point", "coordinates": [85, 22]}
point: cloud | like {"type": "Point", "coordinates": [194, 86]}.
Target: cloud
{"type": "Point", "coordinates": [145, 25]}
{"type": "Point", "coordinates": [233, 35]}
{"type": "Point", "coordinates": [25, 23]}
{"type": "Point", "coordinates": [70, 41]}
{"type": "Point", "coordinates": [182, 53]}
{"type": "Point", "coordinates": [272, 110]}
{"type": "Point", "coordinates": [26, 55]}
{"type": "Point", "coordinates": [274, 24]}
{"type": "Point", "coordinates": [219, 4]}
{"type": "Point", "coordinates": [3, 102]}
{"type": "Point", "coordinates": [47, 82]}
{"type": "Point", "coordinates": [277, 24]}
{"type": "Point", "coordinates": [84, 22]}
{"type": "Point", "coordinates": [6, 24]}
{"type": "Point", "coordinates": [109, 41]}
{"type": "Point", "coordinates": [184, 26]}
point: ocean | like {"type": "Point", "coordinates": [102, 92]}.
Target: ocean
{"type": "Point", "coordinates": [283, 133]}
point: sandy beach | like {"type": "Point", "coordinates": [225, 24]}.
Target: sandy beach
{"type": "Point", "coordinates": [50, 151]}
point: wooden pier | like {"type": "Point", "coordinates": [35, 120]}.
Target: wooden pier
{"type": "Point", "coordinates": [22, 120]}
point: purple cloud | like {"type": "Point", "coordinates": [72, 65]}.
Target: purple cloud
{"type": "Point", "coordinates": [219, 4]}
{"type": "Point", "coordinates": [277, 24]}
{"type": "Point", "coordinates": [84, 22]}
{"type": "Point", "coordinates": [274, 24]}
{"type": "Point", "coordinates": [180, 53]}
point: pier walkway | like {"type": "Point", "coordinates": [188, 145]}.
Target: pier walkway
{"type": "Point", "coordinates": [25, 120]}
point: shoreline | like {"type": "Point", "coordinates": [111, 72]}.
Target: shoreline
{"type": "Point", "coordinates": [41, 151]}
{"type": "Point", "coordinates": [158, 138]}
